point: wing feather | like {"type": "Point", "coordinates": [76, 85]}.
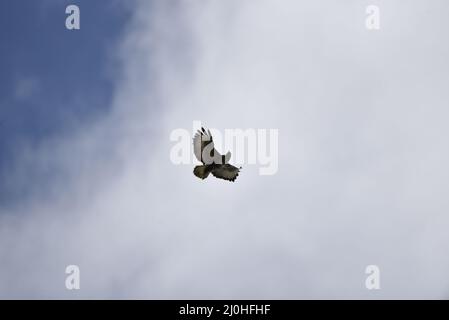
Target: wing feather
{"type": "Point", "coordinates": [226, 172]}
{"type": "Point", "coordinates": [202, 139]}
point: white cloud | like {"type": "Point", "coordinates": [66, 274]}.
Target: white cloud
{"type": "Point", "coordinates": [362, 168]}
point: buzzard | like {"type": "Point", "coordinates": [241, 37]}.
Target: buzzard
{"type": "Point", "coordinates": [213, 161]}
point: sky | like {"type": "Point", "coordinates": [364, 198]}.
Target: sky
{"type": "Point", "coordinates": [52, 79]}
{"type": "Point", "coordinates": [85, 171]}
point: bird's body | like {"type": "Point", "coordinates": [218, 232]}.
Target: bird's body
{"type": "Point", "coordinates": [213, 161]}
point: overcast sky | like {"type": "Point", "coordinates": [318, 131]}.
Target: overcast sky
{"type": "Point", "coordinates": [86, 176]}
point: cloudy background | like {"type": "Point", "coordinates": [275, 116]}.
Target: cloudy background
{"type": "Point", "coordinates": [85, 171]}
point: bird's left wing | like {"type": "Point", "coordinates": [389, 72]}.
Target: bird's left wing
{"type": "Point", "coordinates": [202, 139]}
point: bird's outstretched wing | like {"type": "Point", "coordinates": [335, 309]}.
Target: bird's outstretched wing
{"type": "Point", "coordinates": [201, 140]}
{"type": "Point", "coordinates": [226, 172]}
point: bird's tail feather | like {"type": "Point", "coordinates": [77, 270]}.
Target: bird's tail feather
{"type": "Point", "coordinates": [201, 172]}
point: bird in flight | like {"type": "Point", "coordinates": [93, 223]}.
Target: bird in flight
{"type": "Point", "coordinates": [213, 161]}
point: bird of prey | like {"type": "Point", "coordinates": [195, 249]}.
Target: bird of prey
{"type": "Point", "coordinates": [213, 161]}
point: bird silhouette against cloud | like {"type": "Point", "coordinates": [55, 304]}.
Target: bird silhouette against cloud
{"type": "Point", "coordinates": [213, 161]}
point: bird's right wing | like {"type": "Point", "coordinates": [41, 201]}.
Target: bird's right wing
{"type": "Point", "coordinates": [226, 172]}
